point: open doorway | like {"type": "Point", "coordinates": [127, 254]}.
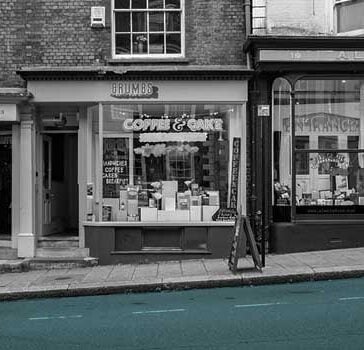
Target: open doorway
{"type": "Point", "coordinates": [5, 187]}
{"type": "Point", "coordinates": [59, 184]}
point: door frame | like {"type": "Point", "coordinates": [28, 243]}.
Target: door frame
{"type": "Point", "coordinates": [40, 215]}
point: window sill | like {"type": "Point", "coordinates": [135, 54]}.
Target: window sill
{"type": "Point", "coordinates": [160, 251]}
{"type": "Point", "coordinates": [149, 60]}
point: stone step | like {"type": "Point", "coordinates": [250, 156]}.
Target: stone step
{"type": "Point", "coordinates": [58, 252]}
{"type": "Point", "coordinates": [55, 242]}
{"type": "Point", "coordinates": [7, 253]}
{"type": "Point", "coordinates": [60, 263]}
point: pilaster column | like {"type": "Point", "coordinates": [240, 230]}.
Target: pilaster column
{"type": "Point", "coordinates": [26, 236]}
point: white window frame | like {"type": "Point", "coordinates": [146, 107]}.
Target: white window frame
{"type": "Point", "coordinates": [148, 55]}
{"type": "Point", "coordinates": [348, 33]}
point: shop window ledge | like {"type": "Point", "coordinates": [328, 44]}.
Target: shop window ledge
{"type": "Point", "coordinates": [163, 251]}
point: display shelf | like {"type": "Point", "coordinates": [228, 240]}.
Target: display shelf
{"type": "Point", "coordinates": [156, 223]}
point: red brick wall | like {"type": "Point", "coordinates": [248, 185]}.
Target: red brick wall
{"type": "Point", "coordinates": [58, 33]}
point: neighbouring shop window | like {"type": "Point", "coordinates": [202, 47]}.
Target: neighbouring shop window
{"type": "Point", "coordinates": [148, 28]}
{"type": "Point", "coordinates": [329, 148]}
{"type": "Point", "coordinates": [162, 162]}
{"type": "Point", "coordinates": [349, 15]}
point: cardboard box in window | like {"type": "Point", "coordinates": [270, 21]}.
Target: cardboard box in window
{"type": "Point", "coordinates": [169, 188]}
{"type": "Point", "coordinates": [177, 215]}
{"type": "Point", "coordinates": [195, 213]}
{"type": "Point", "coordinates": [183, 201]}
{"type": "Point", "coordinates": [122, 214]}
{"type": "Point", "coordinates": [208, 211]}
{"type": "Point", "coordinates": [132, 203]}
{"type": "Point", "coordinates": [106, 212]}
{"type": "Point", "coordinates": [148, 214]}
{"type": "Point", "coordinates": [214, 198]}
{"type": "Point", "coordinates": [196, 201]}
{"type": "Point", "coordinates": [169, 203]}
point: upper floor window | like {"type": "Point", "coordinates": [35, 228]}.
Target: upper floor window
{"type": "Point", "coordinates": [148, 28]}
{"type": "Point", "coordinates": [350, 16]}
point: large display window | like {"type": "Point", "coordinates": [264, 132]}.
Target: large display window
{"type": "Point", "coordinates": [319, 162]}
{"type": "Point", "coordinates": [162, 162]}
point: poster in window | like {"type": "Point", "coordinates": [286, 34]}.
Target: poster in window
{"type": "Point", "coordinates": [115, 169]}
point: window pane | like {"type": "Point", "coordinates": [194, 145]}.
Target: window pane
{"type": "Point", "coordinates": [327, 142]}
{"type": "Point", "coordinates": [350, 16]}
{"type": "Point", "coordinates": [122, 44]}
{"type": "Point", "coordinates": [173, 43]}
{"type": "Point", "coordinates": [156, 43]}
{"type": "Point", "coordinates": [122, 22]}
{"type": "Point", "coordinates": [155, 4]}
{"type": "Point", "coordinates": [138, 4]}
{"type": "Point", "coordinates": [173, 4]}
{"type": "Point", "coordinates": [340, 192]}
{"type": "Point", "coordinates": [173, 21]}
{"type": "Point", "coordinates": [140, 44]}
{"type": "Point", "coordinates": [156, 21]}
{"type": "Point", "coordinates": [122, 4]}
{"type": "Point", "coordinates": [139, 22]}
{"type": "Point", "coordinates": [302, 159]}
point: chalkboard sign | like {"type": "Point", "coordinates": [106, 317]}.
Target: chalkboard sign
{"type": "Point", "coordinates": [252, 243]}
{"type": "Point", "coordinates": [115, 170]}
{"type": "Point", "coordinates": [236, 244]}
{"type": "Point", "coordinates": [241, 227]}
{"type": "Point", "coordinates": [225, 214]}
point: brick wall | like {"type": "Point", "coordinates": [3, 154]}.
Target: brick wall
{"type": "Point", "coordinates": [58, 33]}
{"type": "Point", "coordinates": [299, 17]}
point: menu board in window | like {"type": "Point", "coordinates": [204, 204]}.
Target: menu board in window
{"type": "Point", "coordinates": [115, 169]}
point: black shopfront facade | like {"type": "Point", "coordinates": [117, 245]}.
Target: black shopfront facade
{"type": "Point", "coordinates": [307, 141]}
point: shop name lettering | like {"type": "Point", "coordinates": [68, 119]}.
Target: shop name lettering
{"type": "Point", "coordinates": [134, 90]}
{"type": "Point", "coordinates": [323, 124]}
{"type": "Point", "coordinates": [329, 55]}
{"type": "Point", "coordinates": [178, 124]}
{"type": "Point", "coordinates": [235, 173]}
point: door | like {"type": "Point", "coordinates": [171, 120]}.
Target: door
{"type": "Point", "coordinates": [47, 184]}
{"type": "Point", "coordinates": [5, 186]}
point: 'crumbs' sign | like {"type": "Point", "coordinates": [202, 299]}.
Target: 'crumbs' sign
{"type": "Point", "coordinates": [134, 89]}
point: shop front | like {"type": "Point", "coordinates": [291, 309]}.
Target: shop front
{"type": "Point", "coordinates": [313, 181]}
{"type": "Point", "coordinates": [12, 110]}
{"type": "Point", "coordinates": [161, 163]}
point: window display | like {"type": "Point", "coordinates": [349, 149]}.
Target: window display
{"type": "Point", "coordinates": [328, 146]}
{"type": "Point", "coordinates": [163, 163]}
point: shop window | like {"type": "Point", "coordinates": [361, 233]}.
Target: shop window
{"type": "Point", "coordinates": [161, 162]}
{"type": "Point", "coordinates": [153, 28]}
{"type": "Point", "coordinates": [349, 16]}
{"type": "Point", "coordinates": [329, 149]}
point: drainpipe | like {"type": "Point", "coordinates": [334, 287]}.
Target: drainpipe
{"type": "Point", "coordinates": [248, 16]}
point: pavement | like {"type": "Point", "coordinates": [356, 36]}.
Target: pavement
{"type": "Point", "coordinates": [178, 275]}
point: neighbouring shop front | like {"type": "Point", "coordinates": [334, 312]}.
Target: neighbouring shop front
{"type": "Point", "coordinates": [12, 101]}
{"type": "Point", "coordinates": [159, 158]}
{"type": "Point", "coordinates": [311, 187]}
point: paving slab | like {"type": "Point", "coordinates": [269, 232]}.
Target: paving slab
{"type": "Point", "coordinates": [97, 274]}
{"type": "Point", "coordinates": [169, 269]}
{"type": "Point", "coordinates": [145, 271]}
{"type": "Point", "coordinates": [121, 273]}
{"type": "Point", "coordinates": [193, 268]}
